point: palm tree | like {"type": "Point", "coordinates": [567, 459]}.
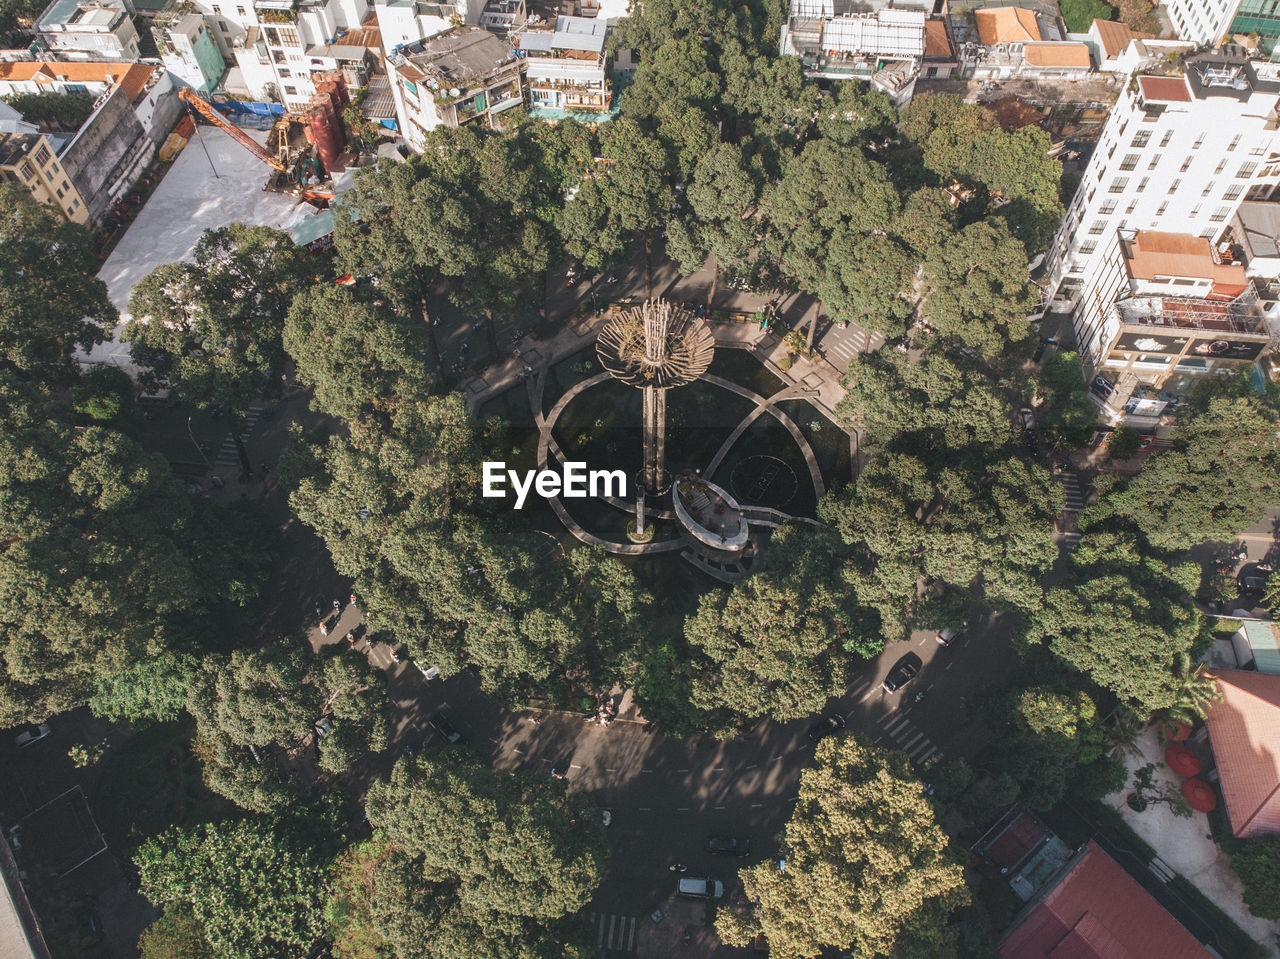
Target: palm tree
{"type": "Point", "coordinates": [1198, 692]}
{"type": "Point", "coordinates": [1120, 734]}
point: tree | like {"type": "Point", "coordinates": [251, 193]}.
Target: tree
{"type": "Point", "coordinates": [1147, 792]}
{"type": "Point", "coordinates": [475, 863]}
{"type": "Point", "coordinates": [51, 301]}
{"type": "Point", "coordinates": [63, 111]}
{"type": "Point", "coordinates": [360, 357]}
{"type": "Point", "coordinates": [104, 563]}
{"type": "Point", "coordinates": [1214, 482]}
{"type": "Point", "coordinates": [1196, 694]}
{"type": "Point", "coordinates": [1122, 619]}
{"type": "Point", "coordinates": [978, 292]}
{"type": "Point", "coordinates": [355, 693]}
{"type": "Point", "coordinates": [153, 690]}
{"type": "Point", "coordinates": [1067, 415]}
{"type": "Point", "coordinates": [1079, 15]}
{"type": "Point", "coordinates": [868, 867]}
{"type": "Point", "coordinates": [176, 934]}
{"type": "Point", "coordinates": [254, 887]}
{"type": "Point", "coordinates": [212, 328]}
{"type": "Point", "coordinates": [1257, 863]}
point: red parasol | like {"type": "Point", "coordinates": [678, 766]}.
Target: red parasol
{"type": "Point", "coordinates": [1181, 731]}
{"type": "Point", "coordinates": [1182, 760]}
{"type": "Point", "coordinates": [1199, 794]}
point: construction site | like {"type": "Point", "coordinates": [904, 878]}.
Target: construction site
{"type": "Point", "coordinates": [304, 150]}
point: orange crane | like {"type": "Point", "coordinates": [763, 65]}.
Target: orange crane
{"type": "Point", "coordinates": [318, 197]}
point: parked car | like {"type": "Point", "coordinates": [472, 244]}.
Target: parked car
{"type": "Point", "coordinates": [949, 634]}
{"type": "Point", "coordinates": [727, 846]}
{"type": "Point", "coordinates": [31, 734]}
{"type": "Point", "coordinates": [904, 670]}
{"type": "Point", "coordinates": [445, 729]}
{"type": "Point", "coordinates": [827, 727]}
{"type": "Point", "coordinates": [700, 888]}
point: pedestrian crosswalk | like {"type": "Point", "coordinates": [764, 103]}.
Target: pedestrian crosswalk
{"type": "Point", "coordinates": [904, 735]}
{"type": "Point", "coordinates": [613, 932]}
{"type": "Point", "coordinates": [842, 346]}
{"type": "Point", "coordinates": [228, 457]}
{"type": "Point", "coordinates": [1074, 489]}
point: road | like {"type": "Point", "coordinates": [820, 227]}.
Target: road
{"type": "Point", "coordinates": [668, 795]}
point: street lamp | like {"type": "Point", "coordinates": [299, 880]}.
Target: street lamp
{"type": "Point", "coordinates": [199, 448]}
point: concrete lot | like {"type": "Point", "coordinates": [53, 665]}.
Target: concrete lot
{"type": "Point", "coordinates": [188, 201]}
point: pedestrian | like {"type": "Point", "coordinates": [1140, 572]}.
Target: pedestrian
{"type": "Point", "coordinates": [324, 629]}
{"type": "Point", "coordinates": [317, 610]}
{"type": "Point", "coordinates": [555, 774]}
{"type": "Point", "coordinates": [352, 601]}
{"type": "Point", "coordinates": [351, 640]}
{"type": "Point", "coordinates": [337, 606]}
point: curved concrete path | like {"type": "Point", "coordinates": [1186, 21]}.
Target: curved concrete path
{"type": "Point", "coordinates": [764, 402]}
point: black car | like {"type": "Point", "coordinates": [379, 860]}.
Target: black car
{"type": "Point", "coordinates": [444, 728]}
{"type": "Point", "coordinates": [727, 846]}
{"type": "Point", "coordinates": [1254, 582]}
{"type": "Point", "coordinates": [828, 727]}
{"type": "Point", "coordinates": [904, 670]}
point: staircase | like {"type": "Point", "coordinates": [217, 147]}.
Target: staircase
{"type": "Point", "coordinates": [1076, 496]}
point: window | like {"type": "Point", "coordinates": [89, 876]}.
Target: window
{"type": "Point", "coordinates": [1163, 206]}
{"type": "Point", "coordinates": [1108, 207]}
{"type": "Point", "coordinates": [1155, 161]}
{"type": "Point", "coordinates": [1235, 142]}
{"type": "Point", "coordinates": [1195, 211]}
{"type": "Point", "coordinates": [1185, 163]}
{"type": "Point", "coordinates": [1118, 185]}
{"type": "Point", "coordinates": [1087, 247]}
{"type": "Point", "coordinates": [1220, 214]}
{"type": "Point", "coordinates": [1233, 192]}
{"type": "Point", "coordinates": [75, 204]}
{"type": "Point", "coordinates": [59, 193]}
{"type": "Point", "coordinates": [26, 171]}
{"type": "Point", "coordinates": [1199, 142]}
{"type": "Point", "coordinates": [1142, 184]}
{"type": "Point", "coordinates": [1133, 205]}
{"type": "Point", "coordinates": [284, 71]}
{"type": "Point", "coordinates": [240, 12]}
{"type": "Point", "coordinates": [1129, 162]}
{"type": "Point", "coordinates": [1208, 188]}
{"type": "Point", "coordinates": [43, 156]}
{"type": "Point", "coordinates": [290, 91]}
{"type": "Point", "coordinates": [1173, 187]}
{"type": "Point", "coordinates": [1257, 151]}
{"type": "Point", "coordinates": [1246, 170]}
{"type": "Point", "coordinates": [1140, 139]}
{"type": "Point", "coordinates": [1164, 140]}
{"type": "Point", "coordinates": [1098, 227]}
{"type": "Point", "coordinates": [66, 185]}
{"type": "Point", "coordinates": [1222, 165]}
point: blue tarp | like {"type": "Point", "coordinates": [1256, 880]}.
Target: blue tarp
{"type": "Point", "coordinates": [242, 106]}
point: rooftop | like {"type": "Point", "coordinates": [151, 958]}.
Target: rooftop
{"type": "Point", "coordinates": [1057, 55]}
{"type": "Point", "coordinates": [134, 77]}
{"type": "Point", "coordinates": [457, 57]}
{"type": "Point", "coordinates": [62, 12]}
{"type": "Point", "coordinates": [937, 40]}
{"type": "Point", "coordinates": [1257, 228]}
{"type": "Point", "coordinates": [1193, 313]}
{"type": "Point", "coordinates": [1097, 911]}
{"type": "Point", "coordinates": [14, 146]}
{"type": "Point", "coordinates": [1164, 89]}
{"type": "Point", "coordinates": [1150, 254]}
{"type": "Point", "coordinates": [1114, 37]}
{"type": "Point", "coordinates": [1007, 25]}
{"type": "Point", "coordinates": [1244, 730]}
{"type": "Point", "coordinates": [1264, 642]}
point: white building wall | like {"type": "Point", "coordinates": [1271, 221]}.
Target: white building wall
{"type": "Point", "coordinates": [1186, 171]}
{"type": "Point", "coordinates": [1202, 22]}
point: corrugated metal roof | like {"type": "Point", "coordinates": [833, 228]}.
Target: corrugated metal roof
{"type": "Point", "coordinates": [893, 33]}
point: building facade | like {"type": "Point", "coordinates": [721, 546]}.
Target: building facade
{"type": "Point", "coordinates": [190, 53]}
{"type": "Point", "coordinates": [29, 159]}
{"type": "Point", "coordinates": [1178, 153]}
{"type": "Point", "coordinates": [1208, 22]}
{"type": "Point", "coordinates": [566, 70]}
{"type": "Point", "coordinates": [88, 30]}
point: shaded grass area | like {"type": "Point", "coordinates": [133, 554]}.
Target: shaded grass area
{"type": "Point", "coordinates": [154, 782]}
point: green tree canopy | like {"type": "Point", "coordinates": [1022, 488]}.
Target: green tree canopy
{"type": "Point", "coordinates": [868, 866]}
{"type": "Point", "coordinates": [51, 301]}
{"type": "Point", "coordinates": [254, 887]}
{"type": "Point", "coordinates": [212, 328]}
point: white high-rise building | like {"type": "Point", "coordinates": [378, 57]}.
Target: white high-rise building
{"type": "Point", "coordinates": [1178, 154]}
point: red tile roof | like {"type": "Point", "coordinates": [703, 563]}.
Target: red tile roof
{"type": "Point", "coordinates": [1007, 25]}
{"type": "Point", "coordinates": [1244, 730]}
{"type": "Point", "coordinates": [133, 76]}
{"type": "Point", "coordinates": [1152, 253]}
{"type": "Point", "coordinates": [1167, 89]}
{"type": "Point", "coordinates": [1057, 55]}
{"type": "Point", "coordinates": [1113, 36]}
{"type": "Point", "coordinates": [937, 40]}
{"type": "Point", "coordinates": [1097, 911]}
{"type": "Point", "coordinates": [1022, 836]}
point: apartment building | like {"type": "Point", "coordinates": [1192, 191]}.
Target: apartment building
{"type": "Point", "coordinates": [1178, 153]}
{"type": "Point", "coordinates": [29, 159]}
{"type": "Point", "coordinates": [465, 75]}
{"type": "Point", "coordinates": [88, 30]}
{"type": "Point", "coordinates": [1208, 22]}
{"type": "Point", "coordinates": [1164, 310]}
{"type": "Point", "coordinates": [189, 51]}
{"type": "Point", "coordinates": [403, 22]}
{"type": "Point", "coordinates": [565, 67]}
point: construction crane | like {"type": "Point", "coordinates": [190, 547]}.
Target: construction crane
{"type": "Point", "coordinates": [318, 196]}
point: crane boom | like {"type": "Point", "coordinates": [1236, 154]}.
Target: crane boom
{"type": "Point", "coordinates": [246, 141]}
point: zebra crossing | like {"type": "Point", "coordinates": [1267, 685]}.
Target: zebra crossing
{"type": "Point", "coordinates": [1074, 489]}
{"type": "Point", "coordinates": [228, 457]}
{"type": "Point", "coordinates": [613, 932]}
{"type": "Point", "coordinates": [904, 736]}
{"type": "Point", "coordinates": [842, 346]}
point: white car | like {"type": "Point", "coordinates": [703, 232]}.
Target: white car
{"type": "Point", "coordinates": [701, 888]}
{"type": "Point", "coordinates": [949, 634]}
{"type": "Point", "coordinates": [31, 734]}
